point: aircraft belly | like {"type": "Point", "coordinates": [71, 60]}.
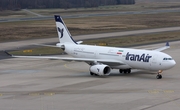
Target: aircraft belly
{"type": "Point", "coordinates": [139, 65]}
{"type": "Point", "coordinates": [121, 67]}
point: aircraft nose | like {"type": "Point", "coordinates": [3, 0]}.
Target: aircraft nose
{"type": "Point", "coordinates": [172, 63]}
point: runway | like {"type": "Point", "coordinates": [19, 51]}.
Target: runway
{"type": "Point", "coordinates": [39, 84]}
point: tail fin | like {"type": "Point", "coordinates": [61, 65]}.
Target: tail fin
{"type": "Point", "coordinates": [63, 33]}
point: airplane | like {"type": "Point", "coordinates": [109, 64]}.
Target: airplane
{"type": "Point", "coordinates": [103, 59]}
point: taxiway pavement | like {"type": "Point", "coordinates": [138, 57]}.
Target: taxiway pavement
{"type": "Point", "coordinates": [41, 84]}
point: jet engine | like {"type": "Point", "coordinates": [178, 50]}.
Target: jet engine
{"type": "Point", "coordinates": [100, 70]}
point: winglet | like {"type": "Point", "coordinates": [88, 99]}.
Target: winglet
{"type": "Point", "coordinates": [167, 44]}
{"type": "Point", "coordinates": [163, 48]}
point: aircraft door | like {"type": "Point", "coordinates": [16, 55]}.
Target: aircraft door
{"type": "Point", "coordinates": [153, 62]}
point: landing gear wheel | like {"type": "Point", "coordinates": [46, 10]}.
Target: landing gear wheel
{"type": "Point", "coordinates": [129, 70]}
{"type": "Point", "coordinates": [120, 70]}
{"type": "Point", "coordinates": [91, 73]}
{"type": "Point", "coordinates": [125, 71]}
{"type": "Point", "coordinates": [159, 76]}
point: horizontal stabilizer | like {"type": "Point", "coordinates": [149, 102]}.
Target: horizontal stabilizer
{"type": "Point", "coordinates": [45, 45]}
{"type": "Point", "coordinates": [8, 54]}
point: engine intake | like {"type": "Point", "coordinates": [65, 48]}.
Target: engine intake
{"type": "Point", "coordinates": [100, 70]}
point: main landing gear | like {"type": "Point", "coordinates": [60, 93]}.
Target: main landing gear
{"type": "Point", "coordinates": [125, 70]}
{"type": "Point", "coordinates": [159, 76]}
{"type": "Point", "coordinates": [93, 74]}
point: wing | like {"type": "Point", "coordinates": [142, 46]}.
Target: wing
{"type": "Point", "coordinates": [88, 60]}
{"type": "Point", "coordinates": [163, 48]}
{"type": "Point", "coordinates": [104, 61]}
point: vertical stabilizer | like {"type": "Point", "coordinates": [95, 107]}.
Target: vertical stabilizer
{"type": "Point", "coordinates": [63, 33]}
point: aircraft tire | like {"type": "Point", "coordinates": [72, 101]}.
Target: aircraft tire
{"type": "Point", "coordinates": [159, 76]}
{"type": "Point", "coordinates": [91, 73]}
{"type": "Point", "coordinates": [125, 71]}
{"type": "Point", "coordinates": [129, 70]}
{"type": "Point", "coordinates": [120, 71]}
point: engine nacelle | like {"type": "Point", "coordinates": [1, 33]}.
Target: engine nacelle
{"type": "Point", "coordinates": [100, 70]}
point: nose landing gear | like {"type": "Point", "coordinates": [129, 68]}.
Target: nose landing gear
{"type": "Point", "coordinates": [159, 76]}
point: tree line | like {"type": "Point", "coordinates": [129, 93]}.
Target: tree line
{"type": "Point", "coordinates": [38, 4]}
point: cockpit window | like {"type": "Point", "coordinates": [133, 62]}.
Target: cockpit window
{"type": "Point", "coordinates": [167, 59]}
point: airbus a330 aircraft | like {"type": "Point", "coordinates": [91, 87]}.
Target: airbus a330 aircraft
{"type": "Point", "coordinates": [103, 59]}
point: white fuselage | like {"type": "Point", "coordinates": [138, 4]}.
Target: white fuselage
{"type": "Point", "coordinates": [132, 58]}
{"type": "Point", "coordinates": [103, 59]}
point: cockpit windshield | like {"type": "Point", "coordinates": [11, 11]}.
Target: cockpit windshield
{"type": "Point", "coordinates": [167, 59]}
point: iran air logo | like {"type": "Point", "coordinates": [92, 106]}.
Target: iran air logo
{"type": "Point", "coordinates": [61, 31]}
{"type": "Point", "coordinates": [135, 57]}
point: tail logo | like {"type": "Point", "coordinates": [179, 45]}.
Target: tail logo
{"type": "Point", "coordinates": [61, 31]}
